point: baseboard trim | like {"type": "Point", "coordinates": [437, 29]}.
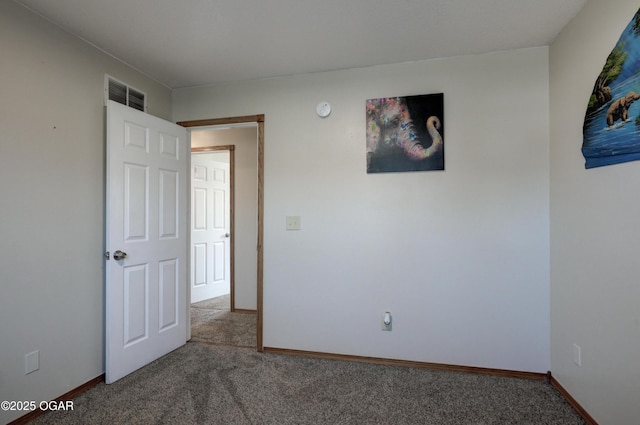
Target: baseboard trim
{"type": "Point", "coordinates": [572, 401]}
{"type": "Point", "coordinates": [243, 311]}
{"type": "Point", "coordinates": [64, 397]}
{"type": "Point", "coordinates": [409, 363]}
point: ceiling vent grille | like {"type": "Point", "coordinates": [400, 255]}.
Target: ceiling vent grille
{"type": "Point", "coordinates": [122, 93]}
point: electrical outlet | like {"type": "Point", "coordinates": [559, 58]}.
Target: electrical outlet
{"type": "Point", "coordinates": [577, 355]}
{"type": "Point", "coordinates": [386, 321]}
{"type": "Point", "coordinates": [293, 222]}
{"type": "Point", "coordinates": [31, 362]}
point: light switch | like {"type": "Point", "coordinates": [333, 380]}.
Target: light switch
{"type": "Point", "coordinates": [293, 222]}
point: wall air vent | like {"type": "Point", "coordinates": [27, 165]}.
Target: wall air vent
{"type": "Point", "coordinates": [122, 93]}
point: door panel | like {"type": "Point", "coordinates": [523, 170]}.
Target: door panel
{"type": "Point", "coordinates": [146, 314]}
{"type": "Point", "coordinates": [169, 207]}
{"type": "Point", "coordinates": [136, 198]}
{"type": "Point", "coordinates": [169, 294]}
{"type": "Point", "coordinates": [136, 298]}
{"type": "Point", "coordinates": [199, 259]}
{"type": "Point", "coordinates": [219, 260]}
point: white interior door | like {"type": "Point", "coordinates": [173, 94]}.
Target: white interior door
{"type": "Point", "coordinates": [146, 236]}
{"type": "Point", "coordinates": [210, 224]}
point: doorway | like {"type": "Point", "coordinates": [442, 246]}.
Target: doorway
{"type": "Point", "coordinates": [241, 300]}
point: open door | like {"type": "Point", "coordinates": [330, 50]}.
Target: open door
{"type": "Point", "coordinates": [146, 239]}
{"type": "Point", "coordinates": [210, 227]}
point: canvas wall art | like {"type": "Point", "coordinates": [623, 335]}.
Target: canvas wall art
{"type": "Point", "coordinates": [405, 133]}
{"type": "Point", "coordinates": [612, 122]}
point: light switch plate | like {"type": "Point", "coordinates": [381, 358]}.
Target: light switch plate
{"type": "Point", "coordinates": [293, 222]}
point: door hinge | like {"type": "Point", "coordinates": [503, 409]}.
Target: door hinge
{"type": "Point", "coordinates": [107, 255]}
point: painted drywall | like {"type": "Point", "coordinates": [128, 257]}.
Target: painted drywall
{"type": "Point", "coordinates": [595, 239]}
{"type": "Point", "coordinates": [245, 140]}
{"type": "Point", "coordinates": [52, 191]}
{"type": "Point", "coordinates": [459, 257]}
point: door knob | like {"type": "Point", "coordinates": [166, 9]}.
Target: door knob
{"type": "Point", "coordinates": [226, 235]}
{"type": "Point", "coordinates": [119, 255]}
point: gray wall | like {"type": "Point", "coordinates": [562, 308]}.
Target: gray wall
{"type": "Point", "coordinates": [595, 237]}
{"type": "Point", "coordinates": [52, 208]}
{"type": "Point", "coordinates": [460, 257]}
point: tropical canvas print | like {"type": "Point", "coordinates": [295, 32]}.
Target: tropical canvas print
{"type": "Point", "coordinates": [405, 133]}
{"type": "Point", "coordinates": [612, 121]}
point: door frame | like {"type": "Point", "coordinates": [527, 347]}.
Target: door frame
{"type": "Point", "coordinates": [259, 120]}
{"type": "Point", "coordinates": [232, 189]}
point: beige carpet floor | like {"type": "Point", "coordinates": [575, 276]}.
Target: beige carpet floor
{"type": "Point", "coordinates": [216, 384]}
{"type": "Point", "coordinates": [213, 322]}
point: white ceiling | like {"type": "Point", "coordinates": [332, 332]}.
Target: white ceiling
{"type": "Point", "coordinates": [183, 43]}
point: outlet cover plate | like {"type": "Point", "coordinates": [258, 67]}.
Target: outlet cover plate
{"type": "Point", "coordinates": [31, 362]}
{"type": "Point", "coordinates": [577, 355]}
{"type": "Point", "coordinates": [384, 326]}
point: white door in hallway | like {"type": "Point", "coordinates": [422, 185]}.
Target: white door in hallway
{"type": "Point", "coordinates": [146, 239]}
{"type": "Point", "coordinates": [210, 224]}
